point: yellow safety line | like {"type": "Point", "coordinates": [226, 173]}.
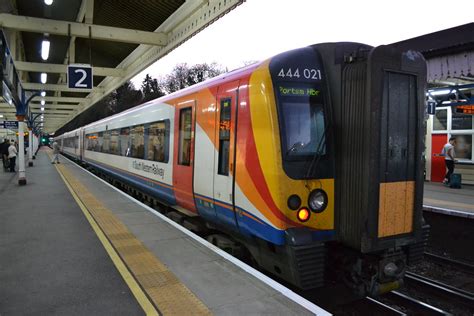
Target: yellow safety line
{"type": "Point", "coordinates": [164, 291]}
{"type": "Point", "coordinates": [137, 291]}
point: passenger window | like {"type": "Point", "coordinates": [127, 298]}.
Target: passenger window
{"type": "Point", "coordinates": [158, 141]}
{"type": "Point", "coordinates": [185, 128]}
{"type": "Point", "coordinates": [224, 136]}
{"type": "Point", "coordinates": [137, 140]}
{"type": "Point", "coordinates": [114, 142]}
{"type": "Point", "coordinates": [124, 141]}
{"type": "Point", "coordinates": [106, 142]}
{"type": "Point", "coordinates": [100, 142]}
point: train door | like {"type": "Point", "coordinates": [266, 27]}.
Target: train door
{"type": "Point", "coordinates": [224, 160]}
{"type": "Point", "coordinates": [183, 162]}
{"type": "Point", "coordinates": [438, 167]}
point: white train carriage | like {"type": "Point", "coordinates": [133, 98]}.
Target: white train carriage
{"type": "Point", "coordinates": [69, 143]}
{"type": "Point", "coordinates": [118, 145]}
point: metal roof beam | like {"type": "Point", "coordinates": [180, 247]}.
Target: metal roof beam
{"type": "Point", "coordinates": [54, 106]}
{"type": "Point", "coordinates": [60, 68]}
{"type": "Point", "coordinates": [98, 32]}
{"type": "Point", "coordinates": [59, 99]}
{"type": "Point", "coordinates": [56, 87]}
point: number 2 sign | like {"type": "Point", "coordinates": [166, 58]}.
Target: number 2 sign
{"type": "Point", "coordinates": [79, 76]}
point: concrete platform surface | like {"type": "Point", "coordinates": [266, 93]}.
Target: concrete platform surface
{"type": "Point", "coordinates": [438, 195]}
{"type": "Point", "coordinates": [51, 261]}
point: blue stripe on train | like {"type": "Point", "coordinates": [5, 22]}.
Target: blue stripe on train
{"type": "Point", "coordinates": [149, 187]}
{"type": "Point", "coordinates": [212, 211]}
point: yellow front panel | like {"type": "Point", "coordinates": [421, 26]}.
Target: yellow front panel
{"type": "Point", "coordinates": [396, 207]}
{"type": "Point", "coordinates": [266, 131]}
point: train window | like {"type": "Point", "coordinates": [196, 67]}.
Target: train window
{"type": "Point", "coordinates": [114, 148]}
{"type": "Point", "coordinates": [100, 142]}
{"type": "Point", "coordinates": [224, 136]}
{"type": "Point", "coordinates": [158, 141]}
{"type": "Point", "coordinates": [106, 142]}
{"type": "Point", "coordinates": [91, 141]}
{"type": "Point", "coordinates": [137, 141]}
{"type": "Point", "coordinates": [185, 128]}
{"type": "Point", "coordinates": [124, 141]}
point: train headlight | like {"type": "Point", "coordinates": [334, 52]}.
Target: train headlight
{"type": "Point", "coordinates": [303, 214]}
{"type": "Point", "coordinates": [294, 202]}
{"type": "Point", "coordinates": [317, 201]}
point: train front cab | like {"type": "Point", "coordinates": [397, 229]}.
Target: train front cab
{"type": "Point", "coordinates": [378, 102]}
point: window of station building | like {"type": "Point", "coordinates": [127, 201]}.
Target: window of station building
{"type": "Point", "coordinates": [463, 148]}
{"type": "Point", "coordinates": [137, 141]}
{"type": "Point", "coordinates": [461, 121]}
{"type": "Point", "coordinates": [224, 136]}
{"type": "Point", "coordinates": [185, 128]}
{"type": "Point", "coordinates": [440, 120]}
{"type": "Point", "coordinates": [114, 147]}
{"type": "Point", "coordinates": [124, 141]}
{"type": "Point", "coordinates": [158, 141]}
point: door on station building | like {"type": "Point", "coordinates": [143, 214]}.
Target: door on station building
{"type": "Point", "coordinates": [183, 161]}
{"type": "Point", "coordinates": [438, 167]}
{"type": "Point", "coordinates": [224, 161]}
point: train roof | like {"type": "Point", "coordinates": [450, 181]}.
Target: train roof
{"type": "Point", "coordinates": [228, 76]}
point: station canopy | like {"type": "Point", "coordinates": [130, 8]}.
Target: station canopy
{"type": "Point", "coordinates": [119, 38]}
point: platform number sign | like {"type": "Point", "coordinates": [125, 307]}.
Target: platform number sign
{"type": "Point", "coordinates": [79, 76]}
{"type": "Point", "coordinates": [431, 107]}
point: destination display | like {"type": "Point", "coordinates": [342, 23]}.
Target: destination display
{"type": "Point", "coordinates": [287, 91]}
{"type": "Point", "coordinates": [465, 109]}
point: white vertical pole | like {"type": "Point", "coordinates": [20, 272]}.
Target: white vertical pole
{"type": "Point", "coordinates": [21, 153]}
{"type": "Point", "coordinates": [30, 147]}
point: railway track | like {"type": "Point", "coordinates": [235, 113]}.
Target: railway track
{"type": "Point", "coordinates": [452, 263]}
{"type": "Point", "coordinates": [440, 291]}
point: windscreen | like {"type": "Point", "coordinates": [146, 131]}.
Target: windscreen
{"type": "Point", "coordinates": [302, 121]}
{"type": "Point", "coordinates": [303, 114]}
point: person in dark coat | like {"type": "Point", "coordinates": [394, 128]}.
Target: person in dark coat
{"type": "Point", "coordinates": [4, 153]}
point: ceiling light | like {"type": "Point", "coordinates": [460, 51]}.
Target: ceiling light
{"type": "Point", "coordinates": [45, 49]}
{"type": "Point", "coordinates": [48, 2]}
{"type": "Point", "coordinates": [42, 102]}
{"type": "Point", "coordinates": [1, 115]}
{"type": "Point", "coordinates": [42, 109]}
{"type": "Point", "coordinates": [44, 77]}
{"type": "Point", "coordinates": [43, 93]}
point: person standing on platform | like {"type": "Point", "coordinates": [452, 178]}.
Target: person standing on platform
{"type": "Point", "coordinates": [12, 156]}
{"type": "Point", "coordinates": [449, 160]}
{"type": "Point", "coordinates": [55, 152]}
{"type": "Point", "coordinates": [4, 153]}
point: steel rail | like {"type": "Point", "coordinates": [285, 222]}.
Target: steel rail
{"type": "Point", "coordinates": [439, 288]}
{"type": "Point", "coordinates": [459, 265]}
{"type": "Point", "coordinates": [415, 306]}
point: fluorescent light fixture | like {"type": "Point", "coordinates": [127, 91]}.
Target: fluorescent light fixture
{"type": "Point", "coordinates": [1, 115]}
{"type": "Point", "coordinates": [42, 102]}
{"type": "Point", "coordinates": [44, 77]}
{"type": "Point", "coordinates": [48, 2]}
{"type": "Point", "coordinates": [43, 93]}
{"type": "Point", "coordinates": [45, 49]}
{"type": "Point", "coordinates": [42, 109]}
{"type": "Point", "coordinates": [440, 92]}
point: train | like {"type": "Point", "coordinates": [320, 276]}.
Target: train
{"type": "Point", "coordinates": [309, 163]}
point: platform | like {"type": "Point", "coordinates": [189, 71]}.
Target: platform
{"type": "Point", "coordinates": [440, 198]}
{"type": "Point", "coordinates": [72, 244]}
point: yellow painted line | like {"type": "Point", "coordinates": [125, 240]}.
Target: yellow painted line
{"type": "Point", "coordinates": [160, 286]}
{"type": "Point", "coordinates": [140, 296]}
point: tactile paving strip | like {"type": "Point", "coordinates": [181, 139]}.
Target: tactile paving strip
{"type": "Point", "coordinates": [168, 294]}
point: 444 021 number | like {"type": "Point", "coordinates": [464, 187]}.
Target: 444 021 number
{"type": "Point", "coordinates": [307, 73]}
